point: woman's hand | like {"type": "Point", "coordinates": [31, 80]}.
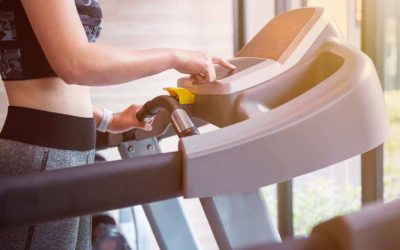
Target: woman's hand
{"type": "Point", "coordinates": [199, 64]}
{"type": "Point", "coordinates": [126, 120]}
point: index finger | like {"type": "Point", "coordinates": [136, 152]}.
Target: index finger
{"type": "Point", "coordinates": [223, 62]}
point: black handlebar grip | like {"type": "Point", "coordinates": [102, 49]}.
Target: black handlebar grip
{"type": "Point", "coordinates": [142, 115]}
{"type": "Point", "coordinates": [152, 107]}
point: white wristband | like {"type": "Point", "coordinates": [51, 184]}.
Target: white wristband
{"type": "Point", "coordinates": [105, 120]}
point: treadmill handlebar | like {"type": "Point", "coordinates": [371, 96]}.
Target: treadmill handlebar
{"type": "Point", "coordinates": [179, 118]}
{"type": "Point", "coordinates": [149, 110]}
{"type": "Point", "coordinates": [152, 107]}
{"type": "Point", "coordinates": [166, 110]}
{"type": "Point", "coordinates": [70, 192]}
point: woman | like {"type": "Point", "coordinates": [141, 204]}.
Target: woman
{"type": "Point", "coordinates": [48, 61]}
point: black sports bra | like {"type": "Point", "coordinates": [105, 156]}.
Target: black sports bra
{"type": "Point", "coordinates": [21, 55]}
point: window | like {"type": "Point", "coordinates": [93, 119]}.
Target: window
{"type": "Point", "coordinates": [391, 77]}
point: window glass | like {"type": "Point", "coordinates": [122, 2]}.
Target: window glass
{"type": "Point", "coordinates": [391, 75]}
{"type": "Point", "coordinates": [346, 14]}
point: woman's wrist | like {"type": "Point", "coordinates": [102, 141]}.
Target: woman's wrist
{"type": "Point", "coordinates": [115, 123]}
{"type": "Point", "coordinates": [106, 119]}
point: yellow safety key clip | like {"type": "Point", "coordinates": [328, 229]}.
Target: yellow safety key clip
{"type": "Point", "coordinates": [184, 96]}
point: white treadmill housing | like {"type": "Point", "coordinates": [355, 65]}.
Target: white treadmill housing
{"type": "Point", "coordinates": [325, 107]}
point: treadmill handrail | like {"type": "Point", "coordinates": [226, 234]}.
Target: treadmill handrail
{"type": "Point", "coordinates": [76, 191]}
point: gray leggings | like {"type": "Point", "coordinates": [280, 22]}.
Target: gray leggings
{"type": "Point", "coordinates": [17, 158]}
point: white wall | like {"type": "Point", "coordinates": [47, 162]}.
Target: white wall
{"type": "Point", "coordinates": [199, 25]}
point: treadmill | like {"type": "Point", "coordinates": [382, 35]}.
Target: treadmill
{"type": "Point", "coordinates": [300, 100]}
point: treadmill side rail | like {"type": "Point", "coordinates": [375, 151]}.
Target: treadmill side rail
{"type": "Point", "coordinates": [71, 192]}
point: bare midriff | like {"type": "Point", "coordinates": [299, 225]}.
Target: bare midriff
{"type": "Point", "coordinates": [50, 94]}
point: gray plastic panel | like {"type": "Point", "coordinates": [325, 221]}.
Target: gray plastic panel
{"type": "Point", "coordinates": [342, 116]}
{"type": "Point", "coordinates": [240, 221]}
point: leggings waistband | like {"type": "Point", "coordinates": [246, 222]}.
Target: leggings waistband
{"type": "Point", "coordinates": [48, 129]}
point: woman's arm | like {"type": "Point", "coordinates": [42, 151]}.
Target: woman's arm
{"type": "Point", "coordinates": [123, 121]}
{"type": "Point", "coordinates": [59, 31]}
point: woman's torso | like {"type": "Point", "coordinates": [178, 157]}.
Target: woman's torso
{"type": "Point", "coordinates": [50, 94]}
{"type": "Point", "coordinates": [45, 93]}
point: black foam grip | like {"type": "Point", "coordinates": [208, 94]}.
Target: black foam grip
{"type": "Point", "coordinates": [143, 114]}
{"type": "Point", "coordinates": [152, 107]}
{"type": "Point", "coordinates": [70, 192]}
